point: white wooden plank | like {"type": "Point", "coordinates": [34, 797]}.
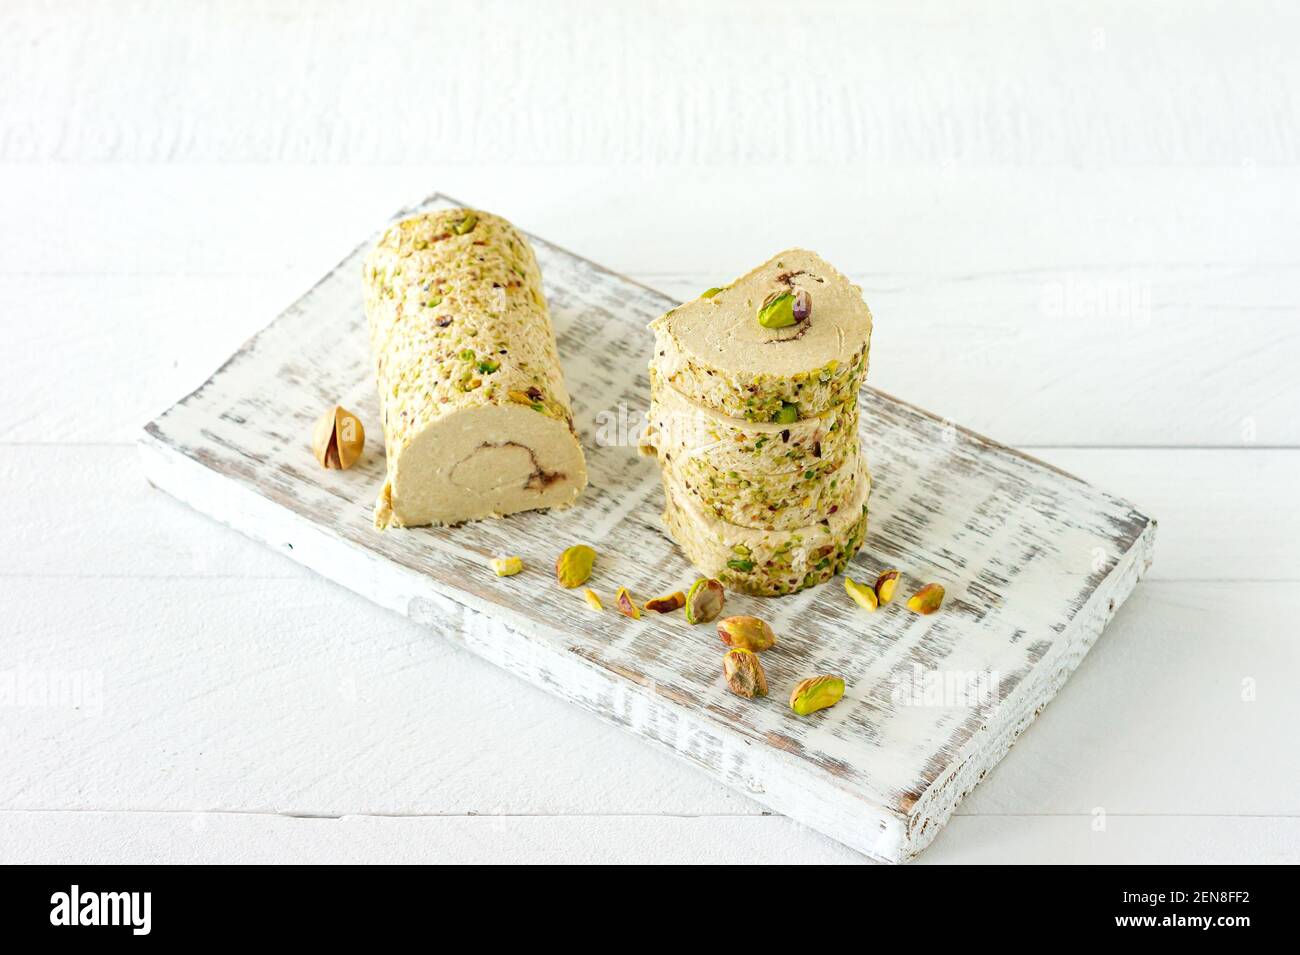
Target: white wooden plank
{"type": "Point", "coordinates": [1181, 708]}
{"type": "Point", "coordinates": [80, 837]}
{"type": "Point", "coordinates": [90, 838]}
{"type": "Point", "coordinates": [1124, 840]}
{"type": "Point", "coordinates": [126, 347]}
{"type": "Point", "coordinates": [1036, 562]}
{"type": "Point", "coordinates": [296, 696]}
{"type": "Point", "coordinates": [1077, 83]}
{"type": "Point", "coordinates": [1219, 515]}
{"type": "Point", "coordinates": [108, 522]}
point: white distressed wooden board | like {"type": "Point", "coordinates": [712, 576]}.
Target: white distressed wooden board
{"type": "Point", "coordinates": [1035, 563]}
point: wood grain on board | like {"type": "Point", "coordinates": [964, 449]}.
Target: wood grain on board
{"type": "Point", "coordinates": [1034, 560]}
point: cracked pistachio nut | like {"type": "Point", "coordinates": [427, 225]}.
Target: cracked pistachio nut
{"type": "Point", "coordinates": [863, 596]}
{"type": "Point", "coordinates": [573, 567]}
{"type": "Point", "coordinates": [777, 310]}
{"type": "Point", "coordinates": [704, 601]}
{"type": "Point", "coordinates": [626, 605]}
{"type": "Point", "coordinates": [748, 633]}
{"type": "Point", "coordinates": [709, 293]}
{"type": "Point", "coordinates": [593, 599]}
{"type": "Point", "coordinates": [886, 584]}
{"type": "Point", "coordinates": [926, 600]}
{"type": "Point", "coordinates": [506, 566]}
{"type": "Point", "coordinates": [337, 439]}
{"type": "Point", "coordinates": [744, 674]}
{"type": "Point", "coordinates": [816, 693]}
{"type": "Point", "coordinates": [666, 604]}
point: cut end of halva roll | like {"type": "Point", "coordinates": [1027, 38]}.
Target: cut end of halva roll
{"type": "Point", "coordinates": [789, 340]}
{"type": "Point", "coordinates": [487, 461]}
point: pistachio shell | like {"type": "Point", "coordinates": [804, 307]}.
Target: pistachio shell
{"type": "Point", "coordinates": [338, 438]}
{"type": "Point", "coordinates": [350, 436]}
{"type": "Point", "coordinates": [626, 605]}
{"type": "Point", "coordinates": [593, 599]}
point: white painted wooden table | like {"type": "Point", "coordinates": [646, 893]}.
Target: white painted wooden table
{"type": "Point", "coordinates": [1078, 233]}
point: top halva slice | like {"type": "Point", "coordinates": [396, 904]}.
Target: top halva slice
{"type": "Point", "coordinates": [715, 351]}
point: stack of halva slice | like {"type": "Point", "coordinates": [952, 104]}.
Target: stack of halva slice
{"type": "Point", "coordinates": [754, 421]}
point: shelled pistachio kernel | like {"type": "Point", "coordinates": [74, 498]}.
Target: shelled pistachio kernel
{"type": "Point", "coordinates": [886, 584]}
{"type": "Point", "coordinates": [748, 633]}
{"type": "Point", "coordinates": [816, 693]}
{"type": "Point", "coordinates": [704, 601]}
{"type": "Point", "coordinates": [593, 599]}
{"type": "Point", "coordinates": [573, 567]}
{"type": "Point", "coordinates": [777, 310]}
{"type": "Point", "coordinates": [926, 600]}
{"type": "Point", "coordinates": [788, 414]}
{"type": "Point", "coordinates": [626, 605]}
{"type": "Point", "coordinates": [862, 595]}
{"type": "Point", "coordinates": [506, 566]}
{"type": "Point", "coordinates": [337, 439]}
{"type": "Point", "coordinates": [667, 603]}
{"type": "Point", "coordinates": [744, 673]}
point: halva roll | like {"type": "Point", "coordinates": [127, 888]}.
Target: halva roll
{"type": "Point", "coordinates": [476, 417]}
